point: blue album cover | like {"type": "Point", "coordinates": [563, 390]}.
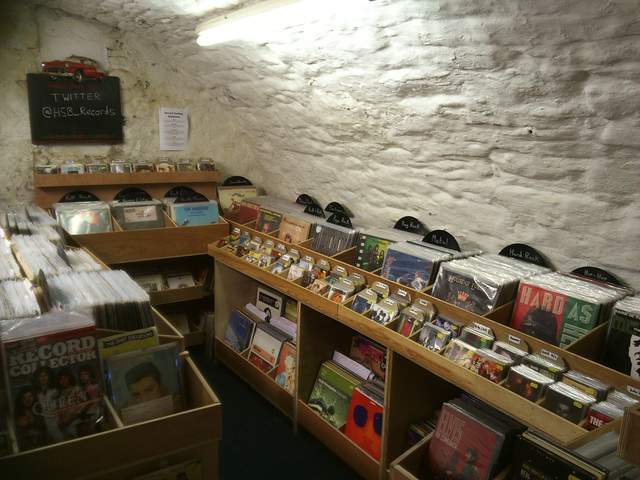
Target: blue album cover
{"type": "Point", "coordinates": [186, 214]}
{"type": "Point", "coordinates": [239, 331]}
{"type": "Point", "coordinates": [406, 269]}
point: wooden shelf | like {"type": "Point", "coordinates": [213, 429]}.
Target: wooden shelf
{"type": "Point", "coordinates": [49, 189]}
{"type": "Point", "coordinates": [324, 325]}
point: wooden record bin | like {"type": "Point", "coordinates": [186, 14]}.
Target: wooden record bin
{"type": "Point", "coordinates": [136, 245]}
{"type": "Point", "coordinates": [123, 452]}
{"type": "Point", "coordinates": [418, 380]}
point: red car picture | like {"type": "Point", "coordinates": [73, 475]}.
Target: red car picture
{"type": "Point", "coordinates": [74, 67]}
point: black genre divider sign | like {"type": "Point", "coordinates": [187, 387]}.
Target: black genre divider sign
{"type": "Point", "coordinates": [62, 111]}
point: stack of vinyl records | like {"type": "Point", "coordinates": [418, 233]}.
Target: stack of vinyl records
{"type": "Point", "coordinates": [482, 283]}
{"type": "Point", "coordinates": [36, 253]}
{"type": "Point", "coordinates": [534, 452]}
{"type": "Point", "coordinates": [414, 264]}
{"type": "Point", "coordinates": [559, 308]}
{"type": "Point", "coordinates": [296, 227]}
{"type": "Point", "coordinates": [471, 440]}
{"type": "Point", "coordinates": [622, 346]}
{"type": "Point", "coordinates": [137, 215]}
{"type": "Point", "coordinates": [603, 452]}
{"type": "Point", "coordinates": [17, 300]}
{"type": "Point", "coordinates": [116, 301]}
{"type": "Point", "coordinates": [79, 218]}
{"type": "Point", "coordinates": [330, 239]}
{"type": "Point", "coordinates": [364, 423]}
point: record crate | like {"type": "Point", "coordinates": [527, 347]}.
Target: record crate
{"type": "Point", "coordinates": [120, 246]}
{"type": "Point", "coordinates": [125, 451]}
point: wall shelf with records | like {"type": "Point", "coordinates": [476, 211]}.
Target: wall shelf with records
{"type": "Point", "coordinates": [121, 246]}
{"type": "Point", "coordinates": [324, 325]}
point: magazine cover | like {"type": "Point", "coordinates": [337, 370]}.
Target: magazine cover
{"type": "Point", "coordinates": [462, 446]}
{"type": "Point", "coordinates": [551, 316]}
{"type": "Point", "coordinates": [52, 376]}
{"type": "Point", "coordinates": [145, 384]}
{"type": "Point", "coordinates": [231, 197]}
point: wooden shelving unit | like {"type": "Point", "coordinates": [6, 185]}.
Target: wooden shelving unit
{"type": "Point", "coordinates": [136, 245]}
{"type": "Point", "coordinates": [418, 380]}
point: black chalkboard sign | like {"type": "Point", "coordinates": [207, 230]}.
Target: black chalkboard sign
{"type": "Point", "coordinates": [62, 111]}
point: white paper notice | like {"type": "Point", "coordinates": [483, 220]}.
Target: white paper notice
{"type": "Point", "coordinates": [174, 128]}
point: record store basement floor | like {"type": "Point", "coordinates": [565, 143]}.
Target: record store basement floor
{"type": "Point", "coordinates": [258, 441]}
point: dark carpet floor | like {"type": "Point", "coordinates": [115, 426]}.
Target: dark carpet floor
{"type": "Point", "coordinates": [258, 441]}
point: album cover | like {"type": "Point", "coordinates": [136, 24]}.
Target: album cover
{"type": "Point", "coordinates": [370, 354]}
{"type": "Point", "coordinates": [286, 372]}
{"type": "Point", "coordinates": [622, 345]}
{"type": "Point", "coordinates": [138, 215]}
{"type": "Point", "coordinates": [270, 302]}
{"type": "Point", "coordinates": [268, 220]}
{"type": "Point", "coordinates": [407, 269]}
{"type": "Point", "coordinates": [145, 384]}
{"type": "Point", "coordinates": [231, 197]}
{"type": "Point", "coordinates": [490, 365]}
{"type": "Point", "coordinates": [568, 402]}
{"type": "Point", "coordinates": [331, 394]}
{"type": "Point", "coordinates": [295, 229]}
{"type": "Point", "coordinates": [370, 251]}
{"type": "Point", "coordinates": [364, 422]}
{"type": "Point", "coordinates": [463, 446]}
{"type": "Point", "coordinates": [362, 302]}
{"type": "Point", "coordinates": [459, 352]}
{"type": "Point", "coordinates": [539, 460]}
{"type": "Point", "coordinates": [433, 337]}
{"type": "Point", "coordinates": [266, 346]}
{"type": "Point", "coordinates": [465, 290]}
{"type": "Point", "coordinates": [194, 213]}
{"type": "Point", "coordinates": [527, 383]}
{"type": "Point", "coordinates": [451, 325]}
{"type": "Point", "coordinates": [559, 309]}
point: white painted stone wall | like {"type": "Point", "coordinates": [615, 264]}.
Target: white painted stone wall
{"type": "Point", "coordinates": [501, 122]}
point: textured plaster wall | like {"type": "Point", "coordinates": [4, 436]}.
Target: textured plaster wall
{"type": "Point", "coordinates": [501, 122]}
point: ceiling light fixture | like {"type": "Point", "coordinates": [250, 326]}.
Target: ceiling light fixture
{"type": "Point", "coordinates": [249, 19]}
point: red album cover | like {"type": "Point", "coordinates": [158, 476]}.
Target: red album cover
{"type": "Point", "coordinates": [364, 424]}
{"type": "Point", "coordinates": [462, 446]}
{"type": "Point", "coordinates": [247, 212]}
{"type": "Point", "coordinates": [538, 312]}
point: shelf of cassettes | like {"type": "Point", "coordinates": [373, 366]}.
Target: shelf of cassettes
{"type": "Point", "coordinates": [529, 413]}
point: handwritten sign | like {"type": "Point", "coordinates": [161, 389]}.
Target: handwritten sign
{"type": "Point", "coordinates": [62, 111]}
